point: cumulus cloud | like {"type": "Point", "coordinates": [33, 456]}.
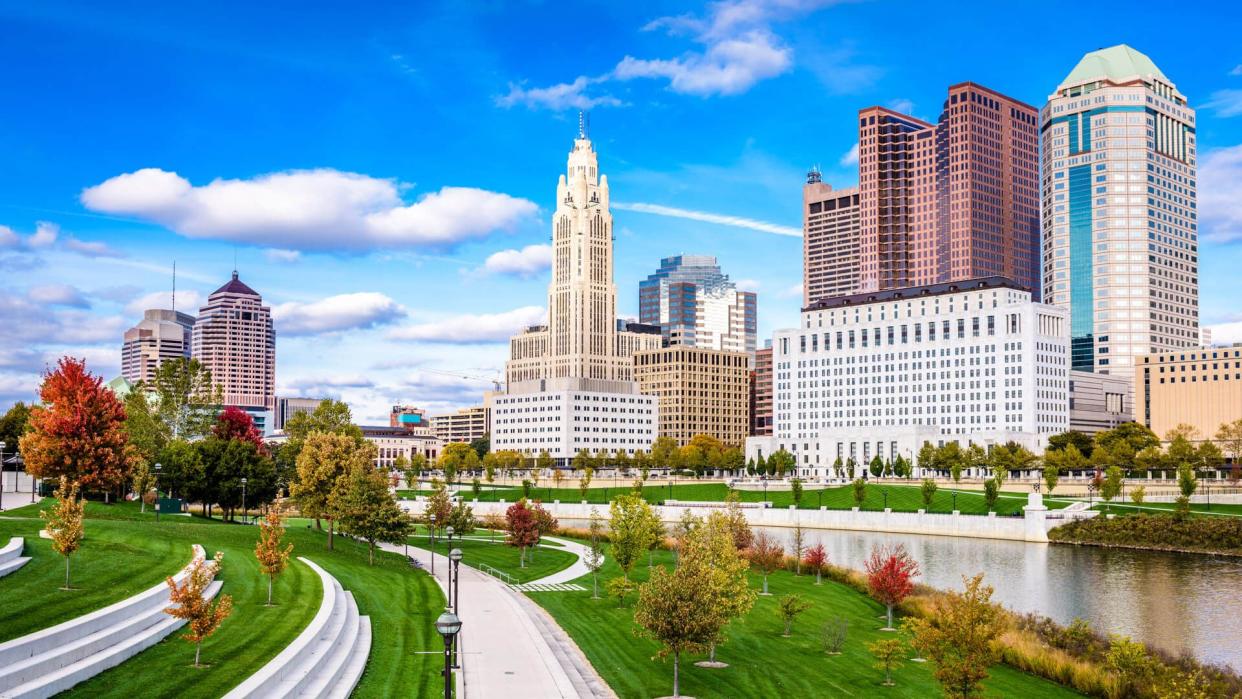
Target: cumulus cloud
{"type": "Point", "coordinates": [356, 311]}
{"type": "Point", "coordinates": [188, 301]}
{"type": "Point", "coordinates": [320, 209]}
{"type": "Point", "coordinates": [794, 291]}
{"type": "Point", "coordinates": [471, 329]}
{"type": "Point", "coordinates": [527, 262]}
{"type": "Point", "coordinates": [319, 385]}
{"type": "Point", "coordinates": [58, 295]}
{"type": "Point", "coordinates": [726, 67]}
{"type": "Point", "coordinates": [1226, 333]}
{"type": "Point", "coordinates": [709, 217]}
{"type": "Point", "coordinates": [279, 255]}
{"type": "Point", "coordinates": [748, 285]}
{"type": "Point", "coordinates": [1220, 194]}
{"type": "Point", "coordinates": [27, 322]}
{"type": "Point", "coordinates": [46, 236]}
{"type": "Point", "coordinates": [851, 157]}
{"type": "Point", "coordinates": [571, 95]}
{"type": "Point", "coordinates": [1226, 103]}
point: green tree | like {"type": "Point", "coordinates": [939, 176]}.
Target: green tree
{"type": "Point", "coordinates": [144, 480]}
{"type": "Point", "coordinates": [323, 459]}
{"type": "Point", "coordinates": [928, 489]}
{"type": "Point", "coordinates": [877, 466]}
{"type": "Point", "coordinates": [64, 522]}
{"type": "Point", "coordinates": [583, 460]}
{"type": "Point", "coordinates": [1071, 438]}
{"type": "Point", "coordinates": [1229, 435]}
{"type": "Point", "coordinates": [888, 653]}
{"type": "Point", "coordinates": [795, 489]}
{"type": "Point", "coordinates": [1209, 456]}
{"type": "Point", "coordinates": [1187, 483]}
{"type": "Point", "coordinates": [1066, 460]}
{"type": "Point", "coordinates": [584, 483]}
{"type": "Point", "coordinates": [331, 417]}
{"type": "Point", "coordinates": [664, 452]}
{"type": "Point", "coordinates": [838, 468]}
{"type": "Point", "coordinates": [789, 607]}
{"type": "Point", "coordinates": [730, 585]}
{"type": "Point", "coordinates": [1125, 440]}
{"type": "Point", "coordinates": [642, 462]}
{"type": "Point", "coordinates": [594, 558]}
{"type": "Point", "coordinates": [1129, 664]}
{"type": "Point", "coordinates": [926, 457]}
{"type": "Point", "coordinates": [146, 431]}
{"type": "Point", "coordinates": [187, 398]}
{"type": "Point", "coordinates": [13, 424]}
{"type": "Point", "coordinates": [991, 491]}
{"type": "Point", "coordinates": [481, 446]}
{"type": "Point", "coordinates": [629, 530]}
{"type": "Point", "coordinates": [1113, 480]}
{"type": "Point", "coordinates": [1150, 459]}
{"type": "Point", "coordinates": [455, 458]}
{"type": "Point", "coordinates": [733, 460]}
{"type": "Point", "coordinates": [1051, 473]}
{"type": "Point", "coordinates": [958, 638]}
{"type": "Point", "coordinates": [951, 458]}
{"type": "Point", "coordinates": [860, 492]}
{"type": "Point", "coordinates": [782, 462]}
{"type": "Point", "coordinates": [181, 469]}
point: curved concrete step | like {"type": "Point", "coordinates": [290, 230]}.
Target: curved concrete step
{"type": "Point", "coordinates": [12, 550]}
{"type": "Point", "coordinates": [110, 656]}
{"type": "Point", "coordinates": [326, 659]}
{"type": "Point", "coordinates": [12, 565]}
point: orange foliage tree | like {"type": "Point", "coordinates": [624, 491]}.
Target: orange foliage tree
{"type": "Point", "coordinates": [79, 430]}
{"type": "Point", "coordinates": [270, 550]}
{"type": "Point", "coordinates": [204, 616]}
{"type": "Point", "coordinates": [523, 528]}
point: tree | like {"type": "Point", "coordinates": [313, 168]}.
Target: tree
{"type": "Point", "coordinates": [64, 522]}
{"type": "Point", "coordinates": [366, 510]}
{"type": "Point", "coordinates": [1187, 483]}
{"type": "Point", "coordinates": [270, 550]}
{"type": "Point", "coordinates": [13, 424]}
{"type": "Point", "coordinates": [1125, 440]}
{"type": "Point", "coordinates": [323, 459]}
{"type": "Point", "coordinates": [928, 491]}
{"type": "Point", "coordinates": [489, 467]}
{"type": "Point", "coordinates": [438, 506]}
{"type": "Point", "coordinates": [663, 452]}
{"type": "Point", "coordinates": [545, 461]}
{"type": "Point", "coordinates": [143, 480]}
{"type": "Point", "coordinates": [890, 576]}
{"type": "Point", "coordinates": [1065, 460]}
{"type": "Point", "coordinates": [147, 433]}
{"type": "Point", "coordinates": [1129, 663]}
{"type": "Point", "coordinates": [481, 446]}
{"type": "Point", "coordinates": [629, 530]}
{"type": "Point", "coordinates": [1112, 483]}
{"type": "Point", "coordinates": [493, 523]}
{"type": "Point", "coordinates": [619, 588]}
{"type": "Point", "coordinates": [235, 423]}
{"type": "Point", "coordinates": [332, 417]}
{"type": "Point", "coordinates": [726, 570]}
{"type": "Point", "coordinates": [1209, 456]}
{"type": "Point", "coordinates": [225, 463]}
{"type": "Point", "coordinates": [789, 607]}
{"type": "Point", "coordinates": [887, 654]}
{"type": "Point", "coordinates": [204, 616]}
{"type": "Point", "coordinates": [877, 466]}
{"type": "Point", "coordinates": [621, 462]}
{"type": "Point", "coordinates": [594, 558]}
{"type": "Point", "coordinates": [545, 523]}
{"type": "Point", "coordinates": [78, 431]}
{"type": "Point", "coordinates": [838, 468]}
{"type": "Point", "coordinates": [860, 492]}
{"type": "Point", "coordinates": [1150, 459]}
{"type": "Point", "coordinates": [781, 462]}
{"type": "Point", "coordinates": [733, 460]}
{"type": "Point", "coordinates": [974, 456]}
{"type": "Point", "coordinates": [739, 526]}
{"type": "Point", "coordinates": [901, 467]}
{"type": "Point", "coordinates": [642, 462]}
{"type": "Point", "coordinates": [766, 555]}
{"type": "Point", "coordinates": [1072, 438]}
{"type": "Point", "coordinates": [1229, 435]}
{"type": "Point", "coordinates": [835, 633]}
{"type": "Point", "coordinates": [851, 466]}
{"type": "Point", "coordinates": [584, 484]}
{"type": "Point", "coordinates": [583, 460]}
{"type": "Point", "coordinates": [523, 530]}
{"type": "Point", "coordinates": [476, 487]}
{"type": "Point", "coordinates": [797, 545]}
{"type": "Point", "coordinates": [186, 398]}
{"type": "Point", "coordinates": [815, 559]}
{"type": "Point", "coordinates": [795, 489]}
{"type": "Point", "coordinates": [456, 457]}
{"type": "Point", "coordinates": [1137, 495]}
{"type": "Point", "coordinates": [181, 469]}
{"type": "Point", "coordinates": [1052, 473]}
{"type": "Point", "coordinates": [991, 492]}
{"type": "Point", "coordinates": [958, 637]}
{"type": "Point", "coordinates": [926, 457]}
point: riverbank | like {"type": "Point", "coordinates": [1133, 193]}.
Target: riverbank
{"type": "Point", "coordinates": [1218, 536]}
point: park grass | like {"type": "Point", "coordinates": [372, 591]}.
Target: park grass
{"type": "Point", "coordinates": [900, 498]}
{"type": "Point", "coordinates": [135, 554]}
{"type": "Point", "coordinates": [761, 662]}
{"type": "Point", "coordinates": [542, 563]}
{"type": "Point", "coordinates": [1118, 507]}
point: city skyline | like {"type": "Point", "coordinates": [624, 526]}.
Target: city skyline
{"type": "Point", "coordinates": [358, 315]}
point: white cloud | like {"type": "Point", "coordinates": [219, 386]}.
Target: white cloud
{"type": "Point", "coordinates": [58, 295]}
{"type": "Point", "coordinates": [839, 72]}
{"type": "Point", "coordinates": [44, 235]}
{"type": "Point", "coordinates": [557, 97]}
{"type": "Point", "coordinates": [748, 285]}
{"type": "Point", "coordinates": [316, 386]}
{"type": "Point", "coordinates": [308, 209]}
{"type": "Point", "coordinates": [792, 291]}
{"type": "Point", "coordinates": [1220, 194]}
{"type": "Point", "coordinates": [1226, 333]}
{"type": "Point", "coordinates": [728, 66]}
{"type": "Point", "coordinates": [279, 255]}
{"type": "Point", "coordinates": [722, 219]}
{"type": "Point", "coordinates": [90, 248]}
{"type": "Point", "coordinates": [851, 156]}
{"type": "Point", "coordinates": [1237, 70]}
{"type": "Point", "coordinates": [470, 329]}
{"type": "Point", "coordinates": [1226, 103]}
{"type": "Point", "coordinates": [9, 239]}
{"type": "Point", "coordinates": [366, 309]}
{"type": "Point", "coordinates": [901, 104]}
{"type": "Point", "coordinates": [527, 262]}
{"type": "Point", "coordinates": [188, 301]}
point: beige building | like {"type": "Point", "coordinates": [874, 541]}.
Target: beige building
{"type": "Point", "coordinates": [1099, 402]}
{"type": "Point", "coordinates": [830, 237]}
{"type": "Point", "coordinates": [464, 425]}
{"type": "Point", "coordinates": [699, 391]}
{"type": "Point", "coordinates": [160, 335]}
{"type": "Point", "coordinates": [1198, 387]}
{"type": "Point", "coordinates": [235, 341]}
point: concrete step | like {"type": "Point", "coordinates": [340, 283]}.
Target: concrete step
{"type": "Point", "coordinates": [12, 550]}
{"type": "Point", "coordinates": [11, 565]}
{"type": "Point", "coordinates": [327, 672]}
{"type": "Point", "coordinates": [356, 664]}
{"type": "Point", "coordinates": [123, 649]}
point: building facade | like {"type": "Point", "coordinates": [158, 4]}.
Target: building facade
{"type": "Point", "coordinates": [235, 340]}
{"type": "Point", "coordinates": [697, 305]}
{"type": "Point", "coordinates": [761, 394]}
{"type": "Point", "coordinates": [1099, 402]}
{"type": "Point", "coordinates": [879, 374]}
{"type": "Point", "coordinates": [831, 226]}
{"type": "Point", "coordinates": [408, 416]}
{"type": "Point", "coordinates": [159, 336]}
{"type": "Point", "coordinates": [1120, 246]}
{"type": "Point", "coordinates": [698, 391]}
{"type": "Point", "coordinates": [954, 200]}
{"type": "Point", "coordinates": [392, 443]}
{"type": "Point", "coordinates": [287, 407]}
{"type": "Point", "coordinates": [465, 425]}
{"type": "Point", "coordinates": [1197, 387]}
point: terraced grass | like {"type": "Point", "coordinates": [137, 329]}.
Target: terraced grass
{"type": "Point", "coordinates": [124, 556]}
{"type": "Point", "coordinates": [761, 662]}
{"type": "Point", "coordinates": [541, 563]}
{"type": "Point", "coordinates": [899, 498]}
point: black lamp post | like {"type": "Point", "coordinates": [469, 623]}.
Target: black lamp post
{"type": "Point", "coordinates": [2, 445]}
{"type": "Point", "coordinates": [449, 530]}
{"type": "Point", "coordinates": [455, 591]}
{"type": "Point", "coordinates": [243, 482]}
{"type": "Point", "coordinates": [1090, 494]}
{"type": "Point", "coordinates": [955, 501]}
{"type": "Point", "coordinates": [157, 490]}
{"type": "Point", "coordinates": [449, 626]}
{"type": "Point", "coordinates": [431, 541]}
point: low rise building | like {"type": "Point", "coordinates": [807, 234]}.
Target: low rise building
{"type": "Point", "coordinates": [1099, 402]}
{"type": "Point", "coordinates": [1197, 387]}
{"type": "Point", "coordinates": [880, 373]}
{"type": "Point", "coordinates": [699, 391]}
{"type": "Point", "coordinates": [394, 442]}
{"type": "Point", "coordinates": [288, 406]}
{"type": "Point", "coordinates": [408, 416]}
{"type": "Point", "coordinates": [465, 425]}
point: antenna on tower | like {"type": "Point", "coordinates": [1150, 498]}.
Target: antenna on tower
{"type": "Point", "coordinates": [813, 176]}
{"type": "Point", "coordinates": [174, 294]}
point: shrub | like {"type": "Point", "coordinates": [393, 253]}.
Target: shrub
{"type": "Point", "coordinates": [835, 632]}
{"type": "Point", "coordinates": [1157, 531]}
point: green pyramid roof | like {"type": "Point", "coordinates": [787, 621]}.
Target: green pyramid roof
{"type": "Point", "coordinates": [121, 386]}
{"type": "Point", "coordinates": [1116, 62]}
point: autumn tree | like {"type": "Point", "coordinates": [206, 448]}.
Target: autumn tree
{"type": "Point", "coordinates": [235, 423]}
{"type": "Point", "coordinates": [330, 417]}
{"type": "Point", "coordinates": [545, 461]}
{"type": "Point", "coordinates": [493, 522]}
{"type": "Point", "coordinates": [664, 452]}
{"type": "Point", "coordinates": [730, 586]}
{"type": "Point", "coordinates": [789, 607]}
{"type": "Point", "coordinates": [795, 490]}
{"type": "Point", "coordinates": [630, 530]}
{"type": "Point", "coordinates": [78, 431]}
{"type": "Point", "coordinates": [890, 576]}
{"type": "Point", "coordinates": [594, 558]}
{"type": "Point", "coordinates": [457, 457]}
{"type": "Point", "coordinates": [1230, 437]}
{"type": "Point", "coordinates": [270, 549]}
{"type": "Point", "coordinates": [523, 530]}
{"type": "Point", "coordinates": [367, 510]}
{"type": "Point", "coordinates": [928, 491]}
{"type": "Point", "coordinates": [323, 460]}
{"type": "Point", "coordinates": [766, 555]}
{"type": "Point", "coordinates": [437, 508]}
{"type": "Point", "coordinates": [815, 559]}
{"type": "Point", "coordinates": [584, 484]}
{"type": "Point", "coordinates": [739, 526]}
{"type": "Point", "coordinates": [203, 616]}
{"type": "Point", "coordinates": [887, 654]}
{"type": "Point", "coordinates": [957, 637]}
{"type": "Point", "coordinates": [64, 522]}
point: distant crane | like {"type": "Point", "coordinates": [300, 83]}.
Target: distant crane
{"type": "Point", "coordinates": [496, 383]}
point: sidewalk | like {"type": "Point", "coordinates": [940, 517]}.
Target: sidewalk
{"type": "Point", "coordinates": [21, 498]}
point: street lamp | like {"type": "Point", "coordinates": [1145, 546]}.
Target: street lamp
{"type": "Point", "coordinates": [455, 588]}
{"type": "Point", "coordinates": [765, 490]}
{"type": "Point", "coordinates": [448, 530]}
{"type": "Point", "coordinates": [243, 482]}
{"type": "Point", "coordinates": [955, 501]}
{"type": "Point", "coordinates": [157, 490]}
{"type": "Point", "coordinates": [449, 626]}
{"type": "Point", "coordinates": [2, 445]}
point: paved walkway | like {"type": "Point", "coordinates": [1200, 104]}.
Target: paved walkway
{"type": "Point", "coordinates": [510, 647]}
{"type": "Point", "coordinates": [21, 498]}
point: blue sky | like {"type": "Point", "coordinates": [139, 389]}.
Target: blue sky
{"type": "Point", "coordinates": [370, 164]}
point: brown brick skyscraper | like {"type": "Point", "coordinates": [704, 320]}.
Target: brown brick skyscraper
{"type": "Point", "coordinates": [958, 199]}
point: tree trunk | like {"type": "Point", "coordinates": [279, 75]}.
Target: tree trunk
{"type": "Point", "coordinates": [142, 510]}
{"type": "Point", "coordinates": [331, 532]}
{"type": "Point", "coordinates": [765, 583]}
{"type": "Point", "coordinates": [66, 572]}
{"type": "Point", "coordinates": [198, 649]}
{"type": "Point", "coordinates": [318, 525]}
{"type": "Point", "coordinates": [890, 617]}
{"type": "Point", "coordinates": [371, 553]}
{"type": "Point", "coordinates": [648, 558]}
{"type": "Point", "coordinates": [676, 670]}
{"type": "Point", "coordinates": [711, 654]}
{"type": "Point", "coordinates": [522, 558]}
{"type": "Point", "coordinates": [595, 583]}
{"type": "Point", "coordinates": [817, 576]}
{"type": "Point", "coordinates": [787, 625]}
{"type": "Point", "coordinates": [270, 578]}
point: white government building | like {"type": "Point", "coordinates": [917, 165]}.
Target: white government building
{"type": "Point", "coordinates": [881, 373]}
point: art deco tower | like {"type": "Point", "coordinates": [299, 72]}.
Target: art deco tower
{"type": "Point", "coordinates": [235, 340]}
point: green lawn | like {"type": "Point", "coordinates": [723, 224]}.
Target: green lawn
{"type": "Point", "coordinates": [900, 498]}
{"type": "Point", "coordinates": [761, 662]}
{"type": "Point", "coordinates": [123, 556]}
{"type": "Point", "coordinates": [1126, 507]}
{"type": "Point", "coordinates": [546, 561]}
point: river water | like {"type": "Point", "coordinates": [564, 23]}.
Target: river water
{"type": "Point", "coordinates": [1176, 602]}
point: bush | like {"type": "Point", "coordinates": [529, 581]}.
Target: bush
{"type": "Point", "coordinates": [1157, 531]}
{"type": "Point", "coordinates": [835, 632]}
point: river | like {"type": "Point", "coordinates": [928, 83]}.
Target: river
{"type": "Point", "coordinates": [1176, 602]}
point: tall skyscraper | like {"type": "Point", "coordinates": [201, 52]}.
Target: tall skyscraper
{"type": "Point", "coordinates": [830, 237]}
{"type": "Point", "coordinates": [695, 304]}
{"type": "Point", "coordinates": [1121, 246]}
{"type": "Point", "coordinates": [953, 200]}
{"type": "Point", "coordinates": [159, 336]}
{"type": "Point", "coordinates": [582, 339]}
{"type": "Point", "coordinates": [235, 340]}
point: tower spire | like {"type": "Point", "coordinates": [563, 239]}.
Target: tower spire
{"type": "Point", "coordinates": [584, 124]}
{"type": "Point", "coordinates": [174, 289]}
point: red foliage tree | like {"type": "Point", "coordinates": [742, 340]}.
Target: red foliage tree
{"type": "Point", "coordinates": [815, 558]}
{"type": "Point", "coordinates": [235, 423]}
{"type": "Point", "coordinates": [890, 574]}
{"type": "Point", "coordinates": [523, 527]}
{"type": "Point", "coordinates": [78, 431]}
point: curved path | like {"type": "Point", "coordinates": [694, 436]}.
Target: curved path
{"type": "Point", "coordinates": [510, 647]}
